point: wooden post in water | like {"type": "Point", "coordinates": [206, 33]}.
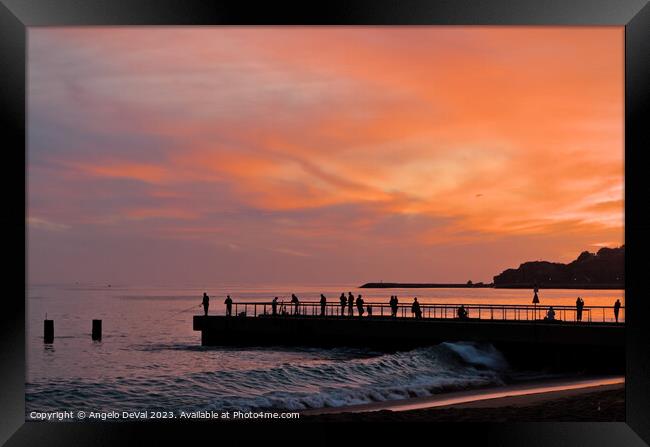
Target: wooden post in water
{"type": "Point", "coordinates": [48, 331]}
{"type": "Point", "coordinates": [97, 330]}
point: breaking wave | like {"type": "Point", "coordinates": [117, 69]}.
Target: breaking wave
{"type": "Point", "coordinates": [332, 381]}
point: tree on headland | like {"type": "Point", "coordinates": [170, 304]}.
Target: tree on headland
{"type": "Point", "coordinates": [603, 267]}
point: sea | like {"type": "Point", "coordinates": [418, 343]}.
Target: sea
{"type": "Point", "coordinates": [150, 359]}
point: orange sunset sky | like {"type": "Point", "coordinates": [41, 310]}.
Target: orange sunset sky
{"type": "Point", "coordinates": [329, 154]}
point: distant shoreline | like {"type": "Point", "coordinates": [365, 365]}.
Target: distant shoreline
{"type": "Point", "coordinates": [397, 285]}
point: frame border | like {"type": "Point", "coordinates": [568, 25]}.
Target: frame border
{"type": "Point", "coordinates": [17, 15]}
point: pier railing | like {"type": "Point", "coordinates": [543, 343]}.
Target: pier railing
{"type": "Point", "coordinates": [507, 312]}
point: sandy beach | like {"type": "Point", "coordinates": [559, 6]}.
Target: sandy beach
{"type": "Point", "coordinates": [600, 399]}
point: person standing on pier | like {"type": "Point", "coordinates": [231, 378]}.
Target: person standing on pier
{"type": "Point", "coordinates": [296, 303]}
{"type": "Point", "coordinates": [350, 304]}
{"type": "Point", "coordinates": [206, 303]}
{"type": "Point", "coordinates": [228, 303]}
{"type": "Point", "coordinates": [579, 305]}
{"type": "Point", "coordinates": [415, 308]}
{"type": "Point", "coordinates": [343, 303]}
{"type": "Point", "coordinates": [617, 307]}
{"type": "Point", "coordinates": [393, 305]}
{"type": "Point", "coordinates": [274, 306]}
{"type": "Point", "coordinates": [360, 306]}
{"type": "Point", "coordinates": [323, 304]}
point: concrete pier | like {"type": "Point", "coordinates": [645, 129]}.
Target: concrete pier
{"type": "Point", "coordinates": [526, 342]}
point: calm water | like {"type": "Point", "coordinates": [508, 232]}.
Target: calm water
{"type": "Point", "coordinates": [149, 357]}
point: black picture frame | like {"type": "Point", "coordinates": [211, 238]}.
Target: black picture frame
{"type": "Point", "coordinates": [17, 15]}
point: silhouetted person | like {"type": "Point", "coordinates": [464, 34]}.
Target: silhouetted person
{"type": "Point", "coordinates": [617, 308]}
{"type": "Point", "coordinates": [350, 304]}
{"type": "Point", "coordinates": [296, 303]}
{"type": "Point", "coordinates": [550, 315]}
{"type": "Point", "coordinates": [274, 306]}
{"type": "Point", "coordinates": [323, 304]}
{"type": "Point", "coordinates": [462, 312]}
{"type": "Point", "coordinates": [369, 310]}
{"type": "Point", "coordinates": [206, 303]}
{"type": "Point", "coordinates": [343, 303]}
{"type": "Point", "coordinates": [228, 303]}
{"type": "Point", "coordinates": [360, 305]}
{"type": "Point", "coordinates": [393, 306]}
{"type": "Point", "coordinates": [579, 305]}
{"type": "Point", "coordinates": [415, 308]}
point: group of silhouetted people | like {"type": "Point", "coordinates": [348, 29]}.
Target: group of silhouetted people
{"type": "Point", "coordinates": [580, 304]}
{"type": "Point", "coordinates": [349, 302]}
{"type": "Point", "coordinates": [347, 305]}
{"type": "Point", "coordinates": [206, 304]}
{"type": "Point", "coordinates": [283, 310]}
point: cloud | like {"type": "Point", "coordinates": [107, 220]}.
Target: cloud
{"type": "Point", "coordinates": [133, 171]}
{"type": "Point", "coordinates": [288, 251]}
{"type": "Point", "coordinates": [44, 224]}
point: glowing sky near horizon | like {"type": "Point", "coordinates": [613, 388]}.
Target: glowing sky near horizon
{"type": "Point", "coordinates": [273, 154]}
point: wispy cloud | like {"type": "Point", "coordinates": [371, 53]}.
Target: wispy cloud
{"type": "Point", "coordinates": [288, 251]}
{"type": "Point", "coordinates": [44, 224]}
